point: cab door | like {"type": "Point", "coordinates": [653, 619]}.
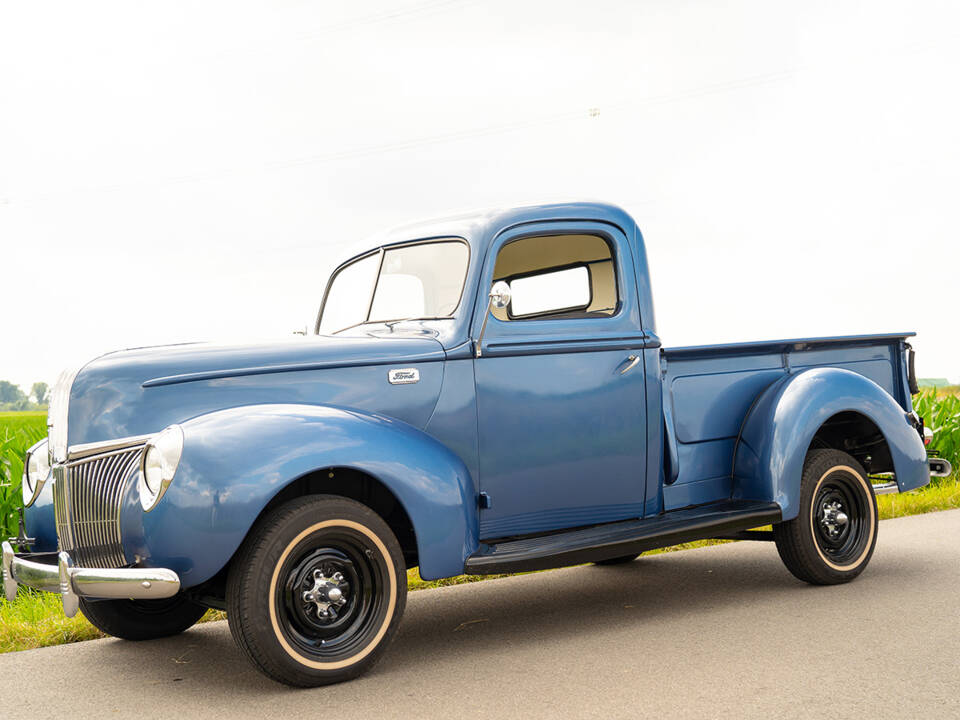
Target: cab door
{"type": "Point", "coordinates": [560, 382]}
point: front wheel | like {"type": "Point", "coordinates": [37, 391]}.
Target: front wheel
{"type": "Point", "coordinates": [317, 591]}
{"type": "Point", "coordinates": [832, 539]}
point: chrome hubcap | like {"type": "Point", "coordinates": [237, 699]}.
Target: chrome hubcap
{"type": "Point", "coordinates": [833, 519]}
{"type": "Point", "coordinates": [327, 594]}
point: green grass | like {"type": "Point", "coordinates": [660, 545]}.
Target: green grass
{"type": "Point", "coordinates": [36, 619]}
{"type": "Point", "coordinates": [941, 494]}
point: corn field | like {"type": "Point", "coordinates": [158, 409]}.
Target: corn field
{"type": "Point", "coordinates": [18, 431]}
{"type": "Point", "coordinates": [942, 415]}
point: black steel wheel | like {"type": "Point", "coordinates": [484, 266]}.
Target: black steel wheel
{"type": "Point", "coordinates": [317, 591]}
{"type": "Point", "coordinates": [833, 537]}
{"type": "Point", "coordinates": [142, 619]}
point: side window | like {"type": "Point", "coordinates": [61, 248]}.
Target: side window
{"type": "Point", "coordinates": [557, 276]}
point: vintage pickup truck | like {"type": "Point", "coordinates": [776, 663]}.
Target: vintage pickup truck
{"type": "Point", "coordinates": [483, 394]}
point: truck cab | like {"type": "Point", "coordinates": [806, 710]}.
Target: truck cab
{"type": "Point", "coordinates": [482, 394]}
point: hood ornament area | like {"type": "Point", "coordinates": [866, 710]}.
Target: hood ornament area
{"type": "Point", "coordinates": [403, 376]}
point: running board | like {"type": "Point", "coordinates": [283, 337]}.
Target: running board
{"type": "Point", "coordinates": [611, 540]}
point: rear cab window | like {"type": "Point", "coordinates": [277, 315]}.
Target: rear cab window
{"type": "Point", "coordinates": [557, 277]}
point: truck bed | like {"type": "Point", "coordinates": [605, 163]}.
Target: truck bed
{"type": "Point", "coordinates": [708, 390]}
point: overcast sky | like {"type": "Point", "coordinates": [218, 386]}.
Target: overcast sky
{"type": "Point", "coordinates": [184, 170]}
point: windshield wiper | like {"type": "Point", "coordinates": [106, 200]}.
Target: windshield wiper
{"type": "Point", "coordinates": [389, 323]}
{"type": "Point", "coordinates": [348, 327]}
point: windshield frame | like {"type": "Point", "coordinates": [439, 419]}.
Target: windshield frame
{"type": "Point", "coordinates": [382, 251]}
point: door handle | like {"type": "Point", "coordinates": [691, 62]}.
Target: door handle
{"type": "Point", "coordinates": [634, 359]}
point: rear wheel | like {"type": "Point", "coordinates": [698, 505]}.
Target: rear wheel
{"type": "Point", "coordinates": [832, 539]}
{"type": "Point", "coordinates": [142, 619]}
{"type": "Point", "coordinates": [317, 591]}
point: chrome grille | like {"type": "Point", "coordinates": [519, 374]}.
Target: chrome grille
{"type": "Point", "coordinates": [87, 497]}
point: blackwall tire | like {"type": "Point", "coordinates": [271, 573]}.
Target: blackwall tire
{"type": "Point", "coordinates": [142, 619]}
{"type": "Point", "coordinates": [317, 591]}
{"type": "Point", "coordinates": [832, 539]}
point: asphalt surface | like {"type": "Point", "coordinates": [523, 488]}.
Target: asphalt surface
{"type": "Point", "coordinates": [718, 632]}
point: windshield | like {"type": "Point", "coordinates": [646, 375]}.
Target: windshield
{"type": "Point", "coordinates": [412, 282]}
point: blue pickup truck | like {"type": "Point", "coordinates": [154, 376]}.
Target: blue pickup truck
{"type": "Point", "coordinates": [483, 394]}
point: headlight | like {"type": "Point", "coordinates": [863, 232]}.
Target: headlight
{"type": "Point", "coordinates": [36, 468]}
{"type": "Point", "coordinates": [159, 464]}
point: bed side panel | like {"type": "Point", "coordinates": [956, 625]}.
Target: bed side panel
{"type": "Point", "coordinates": [711, 391]}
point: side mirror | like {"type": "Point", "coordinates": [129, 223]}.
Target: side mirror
{"type": "Point", "coordinates": [500, 295]}
{"type": "Point", "coordinates": [499, 299]}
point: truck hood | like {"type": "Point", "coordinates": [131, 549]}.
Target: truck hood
{"type": "Point", "coordinates": [141, 391]}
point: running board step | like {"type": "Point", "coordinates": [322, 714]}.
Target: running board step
{"type": "Point", "coordinates": [602, 542]}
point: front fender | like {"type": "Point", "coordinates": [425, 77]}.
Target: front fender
{"type": "Point", "coordinates": [778, 430]}
{"type": "Point", "coordinates": [40, 522]}
{"type": "Point", "coordinates": [235, 461]}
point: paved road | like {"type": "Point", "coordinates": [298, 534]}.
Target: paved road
{"type": "Point", "coordinates": [718, 632]}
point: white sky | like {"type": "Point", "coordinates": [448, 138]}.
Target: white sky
{"type": "Point", "coordinates": [180, 170]}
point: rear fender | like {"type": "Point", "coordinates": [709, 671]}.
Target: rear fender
{"type": "Point", "coordinates": [780, 427]}
{"type": "Point", "coordinates": [235, 461]}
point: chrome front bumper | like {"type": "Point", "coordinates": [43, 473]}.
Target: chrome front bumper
{"type": "Point", "coordinates": [73, 582]}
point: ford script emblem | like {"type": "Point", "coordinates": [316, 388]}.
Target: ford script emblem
{"type": "Point", "coordinates": [403, 376]}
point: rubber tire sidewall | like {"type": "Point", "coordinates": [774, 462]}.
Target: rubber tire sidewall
{"type": "Point", "coordinates": [250, 582]}
{"type": "Point", "coordinates": [128, 619]}
{"type": "Point", "coordinates": [795, 539]}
